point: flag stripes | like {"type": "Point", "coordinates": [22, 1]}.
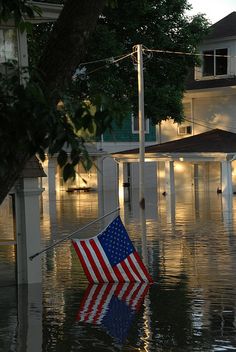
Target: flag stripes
{"type": "Point", "coordinates": [111, 257]}
{"type": "Point", "coordinates": [96, 300]}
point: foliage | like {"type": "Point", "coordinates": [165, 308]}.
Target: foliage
{"type": "Point", "coordinates": [156, 24]}
{"type": "Point", "coordinates": [19, 10]}
{"type": "Point", "coordinates": [34, 120]}
{"type": "Point", "coordinates": [160, 25]}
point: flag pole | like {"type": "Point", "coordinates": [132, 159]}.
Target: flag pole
{"type": "Point", "coordinates": [72, 234]}
{"type": "Point", "coordinates": [141, 120]}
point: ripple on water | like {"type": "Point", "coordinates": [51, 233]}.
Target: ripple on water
{"type": "Point", "coordinates": [191, 248]}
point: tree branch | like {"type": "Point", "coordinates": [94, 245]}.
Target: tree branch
{"type": "Point", "coordinates": [67, 44]}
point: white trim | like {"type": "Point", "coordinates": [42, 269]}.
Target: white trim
{"type": "Point", "coordinates": [136, 131]}
{"type": "Point", "coordinates": [187, 157]}
{"type": "Point", "coordinates": [183, 130]}
{"type": "Point", "coordinates": [50, 12]}
{"type": "Point", "coordinates": [210, 92]}
{"type": "Point", "coordinates": [198, 71]}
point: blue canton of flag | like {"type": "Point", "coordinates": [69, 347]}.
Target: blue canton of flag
{"type": "Point", "coordinates": [116, 242]}
{"type": "Point", "coordinates": [112, 306]}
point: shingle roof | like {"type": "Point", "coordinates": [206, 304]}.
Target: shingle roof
{"type": "Point", "coordinates": [33, 168]}
{"type": "Point", "coordinates": [226, 27]}
{"type": "Point", "coordinates": [214, 141]}
{"type": "Point", "coordinates": [210, 83]}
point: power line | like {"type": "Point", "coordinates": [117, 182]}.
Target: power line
{"type": "Point", "coordinates": [110, 63]}
{"type": "Point", "coordinates": [199, 124]}
{"type": "Point", "coordinates": [114, 59]}
{"type": "Point", "coordinates": [108, 60]}
{"type": "Point", "coordinates": [207, 125]}
{"type": "Point", "coordinates": [188, 53]}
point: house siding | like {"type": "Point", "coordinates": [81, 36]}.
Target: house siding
{"type": "Point", "coordinates": [124, 133]}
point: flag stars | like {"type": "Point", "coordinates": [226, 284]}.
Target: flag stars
{"type": "Point", "coordinates": [115, 242]}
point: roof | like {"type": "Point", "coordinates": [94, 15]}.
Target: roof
{"type": "Point", "coordinates": [192, 84]}
{"type": "Point", "coordinates": [50, 11]}
{"type": "Point", "coordinates": [214, 141]}
{"type": "Point", "coordinates": [33, 168]}
{"type": "Point", "coordinates": [226, 27]}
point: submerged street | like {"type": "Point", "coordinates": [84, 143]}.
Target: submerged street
{"type": "Point", "coordinates": [191, 251]}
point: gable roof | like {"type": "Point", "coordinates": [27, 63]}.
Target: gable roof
{"type": "Point", "coordinates": [33, 169]}
{"type": "Point", "coordinates": [214, 141]}
{"type": "Point", "coordinates": [226, 27]}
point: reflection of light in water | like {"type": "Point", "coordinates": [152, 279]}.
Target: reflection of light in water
{"type": "Point", "coordinates": [198, 312]}
{"type": "Point", "coordinates": [8, 252]}
{"type": "Point", "coordinates": [147, 339]}
{"type": "Point", "coordinates": [194, 257]}
{"type": "Point", "coordinates": [112, 307]}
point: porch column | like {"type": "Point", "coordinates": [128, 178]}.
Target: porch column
{"type": "Point", "coordinates": [30, 310]}
{"type": "Point", "coordinates": [100, 174]}
{"type": "Point", "coordinates": [226, 175]}
{"type": "Point", "coordinates": [100, 189]}
{"type": "Point", "coordinates": [28, 237]}
{"type": "Point", "coordinates": [195, 177]}
{"type": "Point", "coordinates": [50, 166]}
{"type": "Point", "coordinates": [169, 177]}
{"type": "Point", "coordinates": [121, 182]}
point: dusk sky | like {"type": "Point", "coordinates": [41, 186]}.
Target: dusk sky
{"type": "Point", "coordinates": [213, 9]}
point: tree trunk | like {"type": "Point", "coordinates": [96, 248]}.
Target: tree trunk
{"type": "Point", "coordinates": [64, 51]}
{"type": "Point", "coordinates": [67, 44]}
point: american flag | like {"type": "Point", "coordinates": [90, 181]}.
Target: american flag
{"type": "Point", "coordinates": [112, 306]}
{"type": "Point", "coordinates": [111, 257]}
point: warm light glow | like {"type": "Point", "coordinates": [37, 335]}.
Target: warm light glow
{"type": "Point", "coordinates": [179, 167]}
{"type": "Point", "coordinates": [121, 192]}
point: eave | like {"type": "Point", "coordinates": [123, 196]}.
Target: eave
{"type": "Point", "coordinates": [50, 12]}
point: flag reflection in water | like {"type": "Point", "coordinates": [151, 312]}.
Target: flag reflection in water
{"type": "Point", "coordinates": [112, 306]}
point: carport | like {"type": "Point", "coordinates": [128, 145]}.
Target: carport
{"type": "Point", "coordinates": [213, 146]}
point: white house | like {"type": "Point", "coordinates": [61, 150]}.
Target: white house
{"type": "Point", "coordinates": [209, 103]}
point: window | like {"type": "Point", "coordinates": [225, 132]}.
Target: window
{"type": "Point", "coordinates": [135, 125]}
{"type": "Point", "coordinates": [8, 47]}
{"type": "Point", "coordinates": [215, 62]}
{"type": "Point", "coordinates": [183, 130]}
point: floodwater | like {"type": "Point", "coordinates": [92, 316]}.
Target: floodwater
{"type": "Point", "coordinates": [191, 253]}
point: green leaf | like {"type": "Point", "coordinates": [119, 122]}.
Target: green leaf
{"type": "Point", "coordinates": [62, 158]}
{"type": "Point", "coordinates": [68, 172]}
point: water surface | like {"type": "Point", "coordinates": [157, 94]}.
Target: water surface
{"type": "Point", "coordinates": [191, 252]}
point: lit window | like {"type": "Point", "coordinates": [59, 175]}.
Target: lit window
{"type": "Point", "coordinates": [215, 62]}
{"type": "Point", "coordinates": [135, 125]}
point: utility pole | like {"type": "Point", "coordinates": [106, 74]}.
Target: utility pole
{"type": "Point", "coordinates": [139, 50]}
